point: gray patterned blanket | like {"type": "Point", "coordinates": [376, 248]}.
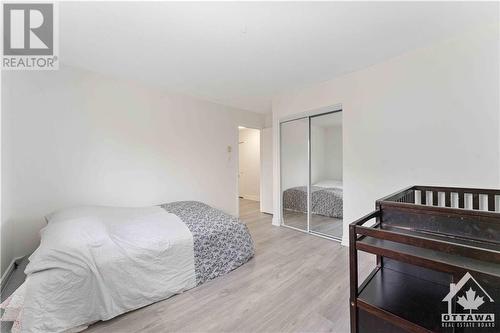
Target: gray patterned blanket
{"type": "Point", "coordinates": [221, 242]}
{"type": "Point", "coordinates": [324, 201]}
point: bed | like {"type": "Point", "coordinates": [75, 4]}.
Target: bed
{"type": "Point", "coordinates": [326, 198]}
{"type": "Point", "coordinates": [95, 263]}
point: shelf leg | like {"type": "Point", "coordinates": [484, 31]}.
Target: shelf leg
{"type": "Point", "coordinates": [353, 272]}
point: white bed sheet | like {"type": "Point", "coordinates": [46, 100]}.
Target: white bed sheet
{"type": "Point", "coordinates": [330, 183]}
{"type": "Point", "coordinates": [95, 263]}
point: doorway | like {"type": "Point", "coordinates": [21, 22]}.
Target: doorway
{"type": "Point", "coordinates": [249, 169]}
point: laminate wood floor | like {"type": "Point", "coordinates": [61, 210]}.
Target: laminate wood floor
{"type": "Point", "coordinates": [295, 283]}
{"type": "Point", "coordinates": [330, 226]}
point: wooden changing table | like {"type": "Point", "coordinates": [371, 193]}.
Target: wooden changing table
{"type": "Point", "coordinates": [431, 245]}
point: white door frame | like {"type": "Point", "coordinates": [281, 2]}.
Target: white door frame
{"type": "Point", "coordinates": [238, 167]}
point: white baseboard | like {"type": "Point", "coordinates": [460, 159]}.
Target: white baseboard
{"type": "Point", "coordinates": [275, 221]}
{"type": "Point", "coordinates": [6, 275]}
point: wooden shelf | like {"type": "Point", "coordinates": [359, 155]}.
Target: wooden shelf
{"type": "Point", "coordinates": [465, 247]}
{"type": "Point", "coordinates": [427, 258]}
{"type": "Point", "coordinates": [406, 297]}
{"type": "Point", "coordinates": [491, 249]}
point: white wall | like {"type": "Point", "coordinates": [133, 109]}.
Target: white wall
{"type": "Point", "coordinates": [71, 137]}
{"type": "Point", "coordinates": [249, 164]}
{"type": "Point", "coordinates": [428, 117]}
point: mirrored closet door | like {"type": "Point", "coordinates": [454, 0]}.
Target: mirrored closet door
{"type": "Point", "coordinates": [326, 175]}
{"type": "Point", "coordinates": [294, 159]}
{"type": "Point", "coordinates": [311, 174]}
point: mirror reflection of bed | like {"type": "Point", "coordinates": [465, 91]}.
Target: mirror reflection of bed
{"type": "Point", "coordinates": [327, 219]}
{"type": "Point", "coordinates": [326, 208]}
{"type": "Point", "coordinates": [322, 164]}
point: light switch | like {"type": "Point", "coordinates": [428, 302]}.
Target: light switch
{"type": "Point", "coordinates": [229, 149]}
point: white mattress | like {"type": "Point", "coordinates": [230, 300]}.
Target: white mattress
{"type": "Point", "coordinates": [95, 263]}
{"type": "Point", "coordinates": [328, 183]}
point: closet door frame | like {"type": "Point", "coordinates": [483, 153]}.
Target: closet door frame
{"type": "Point", "coordinates": [308, 168]}
{"type": "Point", "coordinates": [306, 115]}
{"type": "Point", "coordinates": [309, 174]}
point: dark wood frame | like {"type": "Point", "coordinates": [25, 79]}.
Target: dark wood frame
{"type": "Point", "coordinates": [408, 219]}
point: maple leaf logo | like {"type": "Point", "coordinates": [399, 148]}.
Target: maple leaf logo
{"type": "Point", "coordinates": [470, 301]}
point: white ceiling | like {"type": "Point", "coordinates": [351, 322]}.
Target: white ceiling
{"type": "Point", "coordinates": [243, 53]}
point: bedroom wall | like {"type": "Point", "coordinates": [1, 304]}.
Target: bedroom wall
{"type": "Point", "coordinates": [430, 116]}
{"type": "Point", "coordinates": [72, 137]}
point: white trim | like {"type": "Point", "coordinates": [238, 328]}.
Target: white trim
{"type": "Point", "coordinates": [249, 197]}
{"type": "Point", "coordinates": [261, 166]}
{"type": "Point", "coordinates": [318, 234]}
{"type": "Point", "coordinates": [327, 236]}
{"type": "Point", "coordinates": [312, 233]}
{"type": "Point", "coordinates": [276, 221]}
{"type": "Point", "coordinates": [308, 174]}
{"type": "Point", "coordinates": [311, 113]}
{"type": "Point", "coordinates": [231, 155]}
{"type": "Point", "coordinates": [6, 275]}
